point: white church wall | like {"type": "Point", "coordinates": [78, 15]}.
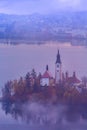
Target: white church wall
{"type": "Point", "coordinates": [58, 72]}
{"type": "Point", "coordinates": [45, 81]}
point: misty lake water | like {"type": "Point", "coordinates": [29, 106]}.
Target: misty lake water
{"type": "Point", "coordinates": [17, 60]}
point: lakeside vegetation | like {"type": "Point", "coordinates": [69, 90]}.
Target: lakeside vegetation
{"type": "Point", "coordinates": [26, 98]}
{"type": "Point", "coordinates": [29, 88]}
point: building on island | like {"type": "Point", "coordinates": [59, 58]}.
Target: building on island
{"type": "Point", "coordinates": [71, 80]}
{"type": "Point", "coordinates": [58, 71]}
{"type": "Point", "coordinates": [48, 80]}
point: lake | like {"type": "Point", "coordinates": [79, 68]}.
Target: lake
{"type": "Point", "coordinates": [17, 60]}
{"type": "Point", "coordinates": [7, 122]}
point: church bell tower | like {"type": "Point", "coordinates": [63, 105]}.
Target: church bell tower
{"type": "Point", "coordinates": [58, 68]}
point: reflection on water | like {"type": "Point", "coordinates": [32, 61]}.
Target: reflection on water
{"type": "Point", "coordinates": [47, 116]}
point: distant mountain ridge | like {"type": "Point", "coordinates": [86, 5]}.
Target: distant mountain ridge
{"type": "Point", "coordinates": [60, 26]}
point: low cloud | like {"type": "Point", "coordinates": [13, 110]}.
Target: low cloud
{"type": "Point", "coordinates": [41, 6]}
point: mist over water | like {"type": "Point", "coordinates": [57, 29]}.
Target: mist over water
{"type": "Point", "coordinates": [38, 116]}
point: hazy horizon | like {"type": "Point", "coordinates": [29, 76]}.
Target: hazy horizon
{"type": "Point", "coordinates": [41, 6]}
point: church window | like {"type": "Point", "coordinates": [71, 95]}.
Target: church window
{"type": "Point", "coordinates": [57, 65]}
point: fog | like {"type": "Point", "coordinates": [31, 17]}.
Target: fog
{"type": "Point", "coordinates": [40, 116]}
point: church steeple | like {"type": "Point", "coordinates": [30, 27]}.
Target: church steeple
{"type": "Point", "coordinates": [47, 68]}
{"type": "Point", "coordinates": [58, 60]}
{"type": "Point", "coordinates": [58, 68]}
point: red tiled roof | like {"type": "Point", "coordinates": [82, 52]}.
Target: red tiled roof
{"type": "Point", "coordinates": [73, 80]}
{"type": "Point", "coordinates": [46, 75]}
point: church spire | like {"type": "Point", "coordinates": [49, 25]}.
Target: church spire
{"type": "Point", "coordinates": [58, 69]}
{"type": "Point", "coordinates": [47, 68]}
{"type": "Point", "coordinates": [58, 60]}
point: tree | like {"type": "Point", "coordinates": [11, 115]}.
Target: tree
{"type": "Point", "coordinates": [33, 73]}
{"type": "Point", "coordinates": [7, 89]}
{"type": "Point", "coordinates": [21, 87]}
{"type": "Point", "coordinates": [27, 80]}
{"type": "Point", "coordinates": [84, 81]}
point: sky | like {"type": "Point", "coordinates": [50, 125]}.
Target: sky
{"type": "Point", "coordinates": [41, 6]}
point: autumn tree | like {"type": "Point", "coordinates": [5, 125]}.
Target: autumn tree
{"type": "Point", "coordinates": [33, 73]}
{"type": "Point", "coordinates": [84, 81]}
{"type": "Point", "coordinates": [27, 80]}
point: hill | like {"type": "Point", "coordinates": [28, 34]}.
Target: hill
{"type": "Point", "coordinates": [65, 27]}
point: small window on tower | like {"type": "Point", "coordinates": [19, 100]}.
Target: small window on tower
{"type": "Point", "coordinates": [57, 65]}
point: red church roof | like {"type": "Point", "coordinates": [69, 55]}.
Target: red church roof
{"type": "Point", "coordinates": [46, 75]}
{"type": "Point", "coordinates": [73, 80]}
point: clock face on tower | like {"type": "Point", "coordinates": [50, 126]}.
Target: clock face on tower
{"type": "Point", "coordinates": [58, 66]}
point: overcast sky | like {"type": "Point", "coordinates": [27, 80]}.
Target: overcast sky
{"type": "Point", "coordinates": [41, 6]}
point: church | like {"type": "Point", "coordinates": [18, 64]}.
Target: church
{"type": "Point", "coordinates": [48, 80]}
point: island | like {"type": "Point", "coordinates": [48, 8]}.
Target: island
{"type": "Point", "coordinates": [44, 89]}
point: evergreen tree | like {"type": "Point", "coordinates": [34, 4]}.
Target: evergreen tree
{"type": "Point", "coordinates": [27, 80]}
{"type": "Point", "coordinates": [33, 73]}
